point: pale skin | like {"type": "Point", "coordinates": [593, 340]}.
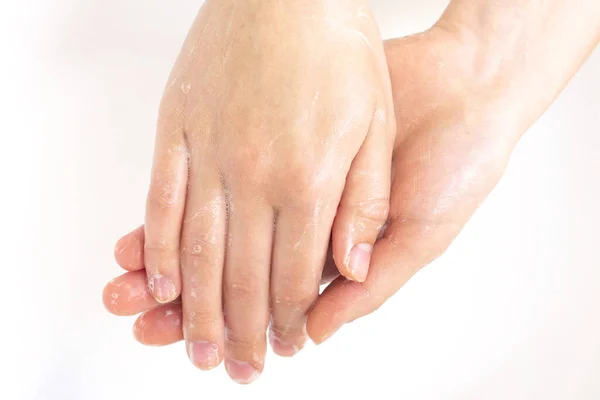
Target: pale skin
{"type": "Point", "coordinates": [262, 153]}
{"type": "Point", "coordinates": [470, 88]}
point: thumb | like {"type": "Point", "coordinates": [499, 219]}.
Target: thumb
{"type": "Point", "coordinates": [406, 246]}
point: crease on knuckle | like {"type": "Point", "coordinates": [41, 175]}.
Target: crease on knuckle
{"type": "Point", "coordinates": [244, 288]}
{"type": "Point", "coordinates": [287, 330]}
{"type": "Point", "coordinates": [298, 294]}
{"type": "Point", "coordinates": [244, 341]}
{"type": "Point", "coordinates": [373, 210]}
{"type": "Point", "coordinates": [202, 320]}
{"type": "Point", "coordinates": [244, 167]}
{"type": "Point", "coordinates": [160, 249]}
{"type": "Point", "coordinates": [200, 287]}
{"type": "Point", "coordinates": [162, 195]}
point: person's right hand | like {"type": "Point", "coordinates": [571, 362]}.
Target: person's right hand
{"type": "Point", "coordinates": [277, 119]}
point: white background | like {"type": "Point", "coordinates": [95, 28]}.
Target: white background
{"type": "Point", "coordinates": [512, 311]}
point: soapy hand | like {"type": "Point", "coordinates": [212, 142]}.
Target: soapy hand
{"type": "Point", "coordinates": [275, 132]}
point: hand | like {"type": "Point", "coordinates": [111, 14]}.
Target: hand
{"type": "Point", "coordinates": [128, 294]}
{"type": "Point", "coordinates": [277, 118]}
{"type": "Point", "coordinates": [464, 92]}
{"type": "Point", "coordinates": [453, 142]}
{"type": "Point", "coordinates": [451, 149]}
{"type": "Point", "coordinates": [442, 171]}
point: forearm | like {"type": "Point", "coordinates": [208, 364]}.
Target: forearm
{"type": "Point", "coordinates": [525, 51]}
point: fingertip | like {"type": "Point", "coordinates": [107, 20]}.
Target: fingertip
{"type": "Point", "coordinates": [334, 308]}
{"type": "Point", "coordinates": [137, 329]}
{"type": "Point", "coordinates": [163, 288]}
{"type": "Point", "coordinates": [351, 259]}
{"type": "Point", "coordinates": [285, 348]}
{"type": "Point", "coordinates": [161, 326]}
{"type": "Point", "coordinates": [326, 317]}
{"type": "Point", "coordinates": [110, 298]}
{"type": "Point", "coordinates": [128, 251]}
{"type": "Point", "coordinates": [241, 372]}
{"type": "Point", "coordinates": [358, 262]}
{"type": "Point", "coordinates": [128, 294]}
{"type": "Point", "coordinates": [320, 327]}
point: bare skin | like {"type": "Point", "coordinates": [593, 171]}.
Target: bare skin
{"type": "Point", "coordinates": [433, 131]}
{"type": "Point", "coordinates": [460, 108]}
{"type": "Point", "coordinates": [262, 150]}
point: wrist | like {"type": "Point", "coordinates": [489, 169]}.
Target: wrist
{"type": "Point", "coordinates": [521, 54]}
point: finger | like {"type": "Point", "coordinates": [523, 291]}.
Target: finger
{"type": "Point", "coordinates": [298, 257]}
{"type": "Point", "coordinates": [202, 257]}
{"type": "Point", "coordinates": [246, 297]}
{"type": "Point", "coordinates": [129, 250]}
{"type": "Point", "coordinates": [164, 212]}
{"type": "Point", "coordinates": [160, 326]}
{"type": "Point", "coordinates": [365, 204]}
{"type": "Point", "coordinates": [135, 241]}
{"type": "Point", "coordinates": [128, 294]}
{"type": "Point", "coordinates": [405, 247]}
{"type": "Point", "coordinates": [330, 271]}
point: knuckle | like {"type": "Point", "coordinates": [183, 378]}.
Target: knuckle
{"type": "Point", "coordinates": [307, 200]}
{"type": "Point", "coordinates": [289, 329]}
{"type": "Point", "coordinates": [306, 177]}
{"type": "Point", "coordinates": [383, 122]}
{"type": "Point", "coordinates": [376, 211]}
{"type": "Point", "coordinates": [160, 249]}
{"type": "Point", "coordinates": [202, 319]}
{"type": "Point", "coordinates": [243, 340]}
{"type": "Point", "coordinates": [244, 288]}
{"type": "Point", "coordinates": [162, 196]}
{"type": "Point", "coordinates": [244, 166]}
{"type": "Point", "coordinates": [201, 287]}
{"type": "Point", "coordinates": [297, 292]}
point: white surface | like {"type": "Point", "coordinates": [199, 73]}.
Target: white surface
{"type": "Point", "coordinates": [512, 311]}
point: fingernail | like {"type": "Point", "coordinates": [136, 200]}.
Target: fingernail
{"type": "Point", "coordinates": [204, 355]}
{"type": "Point", "coordinates": [162, 288]}
{"type": "Point", "coordinates": [360, 258]}
{"type": "Point", "coordinates": [241, 372]}
{"type": "Point", "coordinates": [281, 348]}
